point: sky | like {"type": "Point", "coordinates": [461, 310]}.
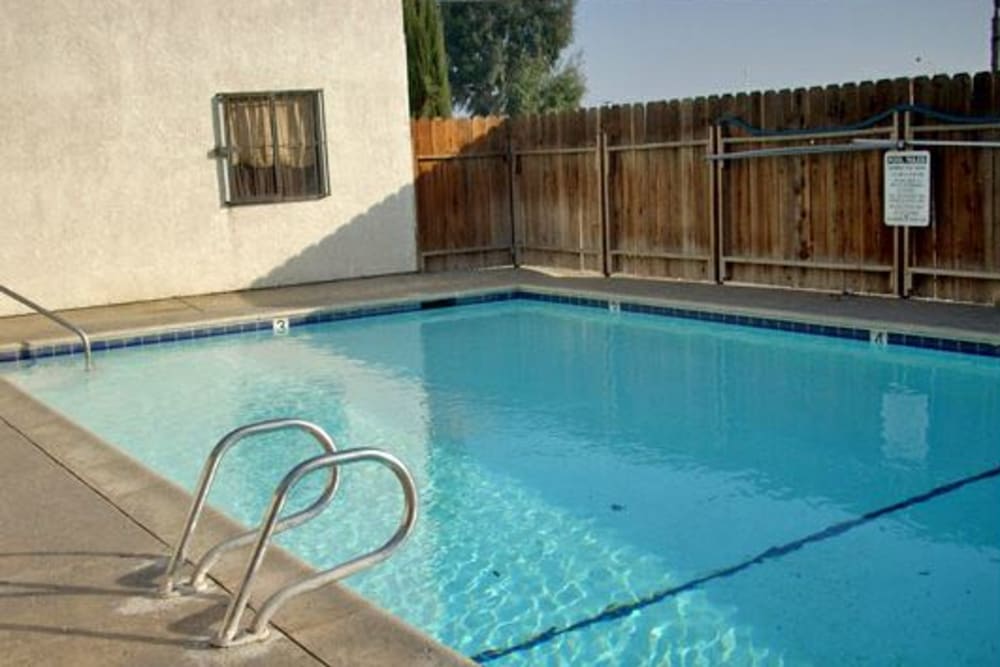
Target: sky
{"type": "Point", "coordinates": [645, 50]}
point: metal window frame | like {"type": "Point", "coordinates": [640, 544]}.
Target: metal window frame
{"type": "Point", "coordinates": [224, 149]}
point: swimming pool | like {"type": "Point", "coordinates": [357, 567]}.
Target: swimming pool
{"type": "Point", "coordinates": [604, 488]}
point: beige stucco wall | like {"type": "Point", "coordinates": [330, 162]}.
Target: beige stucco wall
{"type": "Point", "coordinates": [108, 193]}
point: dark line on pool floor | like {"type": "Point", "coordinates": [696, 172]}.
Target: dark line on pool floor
{"type": "Point", "coordinates": [618, 610]}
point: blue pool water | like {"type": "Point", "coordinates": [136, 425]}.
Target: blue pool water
{"type": "Point", "coordinates": [608, 489]}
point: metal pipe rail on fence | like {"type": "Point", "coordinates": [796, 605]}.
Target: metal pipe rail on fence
{"type": "Point", "coordinates": [84, 338]}
{"type": "Point", "coordinates": [953, 143]}
{"type": "Point", "coordinates": [198, 578]}
{"type": "Point", "coordinates": [822, 149]}
{"type": "Point", "coordinates": [227, 635]}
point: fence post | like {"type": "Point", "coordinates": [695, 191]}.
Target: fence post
{"type": "Point", "coordinates": [713, 254]}
{"type": "Point", "coordinates": [907, 285]}
{"type": "Point", "coordinates": [602, 142]}
{"type": "Point", "coordinates": [718, 195]}
{"type": "Point", "coordinates": [515, 251]}
{"type": "Point", "coordinates": [902, 133]}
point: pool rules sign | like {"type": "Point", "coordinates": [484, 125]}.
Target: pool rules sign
{"type": "Point", "coordinates": [907, 188]}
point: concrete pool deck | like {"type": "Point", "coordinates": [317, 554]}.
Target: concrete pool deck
{"type": "Point", "coordinates": [84, 529]}
{"type": "Point", "coordinates": [920, 317]}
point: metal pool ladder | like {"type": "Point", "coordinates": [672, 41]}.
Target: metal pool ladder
{"type": "Point", "coordinates": [271, 524]}
{"type": "Point", "coordinates": [88, 361]}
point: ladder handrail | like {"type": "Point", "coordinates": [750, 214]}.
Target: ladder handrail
{"type": "Point", "coordinates": [205, 481]}
{"type": "Point", "coordinates": [227, 633]}
{"type": "Point", "coordinates": [45, 312]}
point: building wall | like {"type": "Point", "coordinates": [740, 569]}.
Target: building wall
{"type": "Point", "coordinates": [109, 193]}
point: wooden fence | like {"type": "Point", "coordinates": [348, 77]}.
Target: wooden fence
{"type": "Point", "coordinates": [774, 188]}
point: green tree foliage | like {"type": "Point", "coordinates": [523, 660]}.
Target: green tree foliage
{"type": "Point", "coordinates": [504, 56]}
{"type": "Point", "coordinates": [426, 61]}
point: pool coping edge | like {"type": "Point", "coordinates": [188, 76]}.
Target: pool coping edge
{"type": "Point", "coordinates": [880, 332]}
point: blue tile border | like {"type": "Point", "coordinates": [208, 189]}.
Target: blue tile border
{"type": "Point", "coordinates": [777, 324]}
{"type": "Point", "coordinates": [357, 312]}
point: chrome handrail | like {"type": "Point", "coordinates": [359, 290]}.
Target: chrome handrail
{"type": "Point", "coordinates": [84, 338]}
{"type": "Point", "coordinates": [227, 635]}
{"type": "Point", "coordinates": [197, 581]}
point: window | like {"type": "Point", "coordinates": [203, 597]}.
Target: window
{"type": "Point", "coordinates": [274, 146]}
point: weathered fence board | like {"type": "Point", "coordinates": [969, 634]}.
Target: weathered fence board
{"type": "Point", "coordinates": [462, 187]}
{"type": "Point", "coordinates": [629, 190]}
{"type": "Point", "coordinates": [963, 240]}
{"type": "Point", "coordinates": [557, 204]}
{"type": "Point", "coordinates": [660, 199]}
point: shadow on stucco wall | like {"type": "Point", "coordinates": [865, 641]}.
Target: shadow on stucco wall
{"type": "Point", "coordinates": [349, 247]}
{"type": "Point", "coordinates": [461, 201]}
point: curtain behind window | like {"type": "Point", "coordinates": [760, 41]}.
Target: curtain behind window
{"type": "Point", "coordinates": [295, 124]}
{"type": "Point", "coordinates": [273, 146]}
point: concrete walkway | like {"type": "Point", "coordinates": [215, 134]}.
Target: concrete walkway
{"type": "Point", "coordinates": [84, 529]}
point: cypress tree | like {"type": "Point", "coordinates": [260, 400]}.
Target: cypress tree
{"type": "Point", "coordinates": [426, 62]}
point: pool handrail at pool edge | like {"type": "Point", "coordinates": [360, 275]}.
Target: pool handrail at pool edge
{"type": "Point", "coordinates": [45, 312]}
{"type": "Point", "coordinates": [170, 581]}
{"type": "Point", "coordinates": [228, 635]}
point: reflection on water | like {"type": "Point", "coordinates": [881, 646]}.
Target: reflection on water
{"type": "Point", "coordinates": [904, 425]}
